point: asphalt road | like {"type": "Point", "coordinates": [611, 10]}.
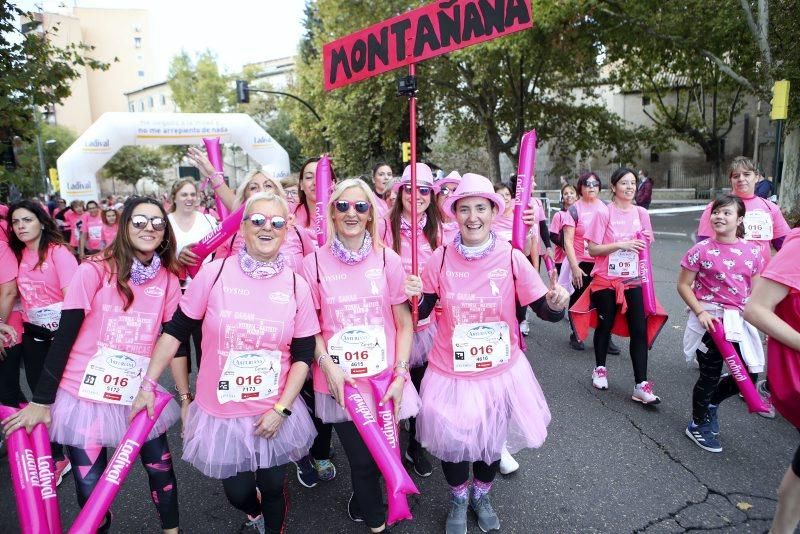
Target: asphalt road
{"type": "Point", "coordinates": [608, 465]}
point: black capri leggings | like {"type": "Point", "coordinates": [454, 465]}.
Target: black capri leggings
{"type": "Point", "coordinates": [321, 448]}
{"type": "Point", "coordinates": [241, 493]}
{"type": "Point", "coordinates": [34, 352]}
{"type": "Point", "coordinates": [10, 392]}
{"type": "Point", "coordinates": [457, 473]}
{"type": "Point", "coordinates": [605, 303]}
{"type": "Point", "coordinates": [364, 475]}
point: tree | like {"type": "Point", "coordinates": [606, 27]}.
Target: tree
{"type": "Point", "coordinates": [132, 163]}
{"type": "Point", "coordinates": [27, 176]}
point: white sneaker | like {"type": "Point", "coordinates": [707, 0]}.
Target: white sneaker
{"type": "Point", "coordinates": [761, 387]}
{"type": "Point", "coordinates": [643, 393]}
{"type": "Point", "coordinates": [524, 328]}
{"type": "Point", "coordinates": [507, 462]}
{"type": "Point", "coordinates": [600, 377]}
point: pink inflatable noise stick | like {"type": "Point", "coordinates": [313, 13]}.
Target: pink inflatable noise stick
{"type": "Point", "coordinates": [215, 238]}
{"type": "Point", "coordinates": [40, 440]}
{"type": "Point", "coordinates": [398, 507]}
{"type": "Point", "coordinates": [525, 169]}
{"type": "Point", "coordinates": [738, 370]}
{"type": "Point", "coordinates": [25, 479]}
{"type": "Point", "coordinates": [398, 483]}
{"type": "Point", "coordinates": [214, 150]}
{"type": "Point", "coordinates": [94, 511]}
{"type": "Point", "coordinates": [646, 273]}
{"type": "Point", "coordinates": [322, 185]}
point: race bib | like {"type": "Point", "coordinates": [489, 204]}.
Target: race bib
{"type": "Point", "coordinates": [480, 346]}
{"type": "Point", "coordinates": [249, 375]}
{"type": "Point", "coordinates": [113, 376]}
{"type": "Point", "coordinates": [48, 316]}
{"type": "Point", "coordinates": [623, 264]}
{"type": "Point", "coordinates": [359, 350]}
{"type": "Point", "coordinates": [757, 226]}
{"type": "Point", "coordinates": [95, 232]}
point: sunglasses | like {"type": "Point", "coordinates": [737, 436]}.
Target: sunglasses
{"type": "Point", "coordinates": [140, 222]}
{"type": "Point", "coordinates": [423, 190]}
{"type": "Point", "coordinates": [259, 220]}
{"type": "Point", "coordinates": [444, 190]}
{"type": "Point", "coordinates": [592, 183]}
{"type": "Point", "coordinates": [343, 206]}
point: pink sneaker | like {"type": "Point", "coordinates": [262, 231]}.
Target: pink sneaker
{"type": "Point", "coordinates": [600, 377]}
{"type": "Point", "coordinates": [62, 468]}
{"type": "Point", "coordinates": [643, 393]}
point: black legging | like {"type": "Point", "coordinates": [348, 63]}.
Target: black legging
{"type": "Point", "coordinates": [586, 267]}
{"type": "Point", "coordinates": [185, 348]}
{"type": "Point", "coordinates": [34, 352]}
{"type": "Point", "coordinates": [416, 378]}
{"type": "Point", "coordinates": [240, 490]}
{"type": "Point", "coordinates": [157, 461]}
{"type": "Point", "coordinates": [709, 389]}
{"type": "Point", "coordinates": [321, 448]}
{"type": "Point", "coordinates": [457, 473]}
{"type": "Point", "coordinates": [10, 392]}
{"type": "Point", "coordinates": [605, 302]}
{"type": "Point", "coordinates": [364, 475]}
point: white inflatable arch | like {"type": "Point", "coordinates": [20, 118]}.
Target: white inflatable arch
{"type": "Point", "coordinates": [77, 167]}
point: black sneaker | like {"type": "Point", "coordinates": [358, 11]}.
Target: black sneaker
{"type": "Point", "coordinates": [307, 472]}
{"type": "Point", "coordinates": [417, 458]}
{"type": "Point", "coordinates": [353, 510]}
{"type": "Point", "coordinates": [575, 344]}
{"type": "Point", "coordinates": [613, 348]}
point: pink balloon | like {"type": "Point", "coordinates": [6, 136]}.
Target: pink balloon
{"type": "Point", "coordinates": [323, 184]}
{"type": "Point", "coordinates": [25, 479]}
{"type": "Point", "coordinates": [525, 168]}
{"type": "Point", "coordinates": [398, 483]}
{"type": "Point", "coordinates": [214, 151]}
{"type": "Point", "coordinates": [738, 370]}
{"type": "Point", "coordinates": [646, 273]}
{"type": "Point", "coordinates": [93, 512]}
{"type": "Point", "coordinates": [214, 239]}
{"type": "Point", "coordinates": [40, 441]}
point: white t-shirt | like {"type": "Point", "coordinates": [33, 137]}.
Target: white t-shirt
{"type": "Point", "coordinates": [203, 225]}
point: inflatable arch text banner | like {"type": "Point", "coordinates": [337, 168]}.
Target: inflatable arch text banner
{"type": "Point", "coordinates": [421, 34]}
{"type": "Point", "coordinates": [78, 165]}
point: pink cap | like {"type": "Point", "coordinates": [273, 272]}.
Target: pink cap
{"type": "Point", "coordinates": [474, 185]}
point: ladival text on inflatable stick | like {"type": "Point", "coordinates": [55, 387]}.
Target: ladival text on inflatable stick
{"type": "Point", "coordinates": [398, 507]}
{"type": "Point", "coordinates": [522, 199]}
{"type": "Point", "coordinates": [25, 479]}
{"type": "Point", "coordinates": [214, 239]}
{"type": "Point", "coordinates": [646, 273]}
{"type": "Point", "coordinates": [46, 467]}
{"type": "Point", "coordinates": [398, 483]}
{"type": "Point", "coordinates": [738, 370]}
{"type": "Point", "coordinates": [94, 511]}
{"type": "Point", "coordinates": [323, 183]}
{"type": "Point", "coordinates": [214, 150]}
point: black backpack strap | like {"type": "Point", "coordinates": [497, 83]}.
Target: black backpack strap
{"type": "Point", "coordinates": [444, 252]}
{"type": "Point", "coordinates": [574, 212]}
{"type": "Point", "coordinates": [316, 261]}
{"type": "Point", "coordinates": [302, 246]}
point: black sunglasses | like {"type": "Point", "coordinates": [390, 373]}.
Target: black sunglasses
{"type": "Point", "coordinates": [343, 206]}
{"type": "Point", "coordinates": [259, 220]}
{"type": "Point", "coordinates": [140, 222]}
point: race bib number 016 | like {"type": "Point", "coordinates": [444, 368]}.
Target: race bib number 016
{"type": "Point", "coordinates": [480, 346]}
{"type": "Point", "coordinates": [359, 350]}
{"type": "Point", "coordinates": [47, 317]}
{"type": "Point", "coordinates": [623, 264]}
{"type": "Point", "coordinates": [757, 226]}
{"type": "Point", "coordinates": [249, 375]}
{"type": "Point", "coordinates": [113, 376]}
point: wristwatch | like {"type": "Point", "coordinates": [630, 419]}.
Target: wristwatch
{"type": "Point", "coordinates": [282, 410]}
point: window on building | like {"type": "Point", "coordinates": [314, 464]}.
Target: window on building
{"type": "Point", "coordinates": [653, 155]}
{"type": "Point", "coordinates": [645, 101]}
{"type": "Point", "coordinates": [136, 28]}
{"type": "Point", "coordinates": [163, 100]}
{"type": "Point", "coordinates": [150, 102]}
{"type": "Point", "coordinates": [141, 105]}
{"type": "Point", "coordinates": [131, 107]}
{"type": "Point", "coordinates": [141, 74]}
{"type": "Point", "coordinates": [137, 42]}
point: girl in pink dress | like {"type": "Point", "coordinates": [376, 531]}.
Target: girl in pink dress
{"type": "Point", "coordinates": [115, 308]}
{"type": "Point", "coordinates": [258, 319]}
{"type": "Point", "coordinates": [479, 394]}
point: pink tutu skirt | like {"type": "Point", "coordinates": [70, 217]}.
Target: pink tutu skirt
{"type": "Point", "coordinates": [329, 411]}
{"type": "Point", "coordinates": [472, 419]}
{"type": "Point", "coordinates": [85, 424]}
{"type": "Point", "coordinates": [222, 447]}
{"type": "Point", "coordinates": [421, 345]}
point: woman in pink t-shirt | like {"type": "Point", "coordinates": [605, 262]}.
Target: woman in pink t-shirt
{"type": "Point", "coordinates": [91, 241]}
{"type": "Point", "coordinates": [247, 421]}
{"type": "Point", "coordinates": [428, 230]}
{"type": "Point", "coordinates": [479, 394]}
{"type": "Point", "coordinates": [110, 227]}
{"type": "Point", "coordinates": [73, 217]}
{"type": "Point", "coordinates": [115, 308]}
{"type": "Point", "coordinates": [568, 197]}
{"type": "Point", "coordinates": [715, 280]}
{"type": "Point", "coordinates": [10, 323]}
{"type": "Point", "coordinates": [304, 212]}
{"type": "Point", "coordinates": [615, 292]}
{"type": "Point", "coordinates": [774, 308]}
{"type": "Point", "coordinates": [382, 179]}
{"type": "Point", "coordinates": [357, 287]}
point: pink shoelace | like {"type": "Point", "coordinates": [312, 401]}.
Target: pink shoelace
{"type": "Point", "coordinates": [647, 387]}
{"type": "Point", "coordinates": [601, 372]}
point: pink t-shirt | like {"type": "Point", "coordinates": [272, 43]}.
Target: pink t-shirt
{"type": "Point", "coordinates": [754, 207]}
{"type": "Point", "coordinates": [74, 221]}
{"type": "Point", "coordinates": [587, 211]}
{"type": "Point", "coordinates": [783, 267]}
{"type": "Point", "coordinates": [502, 226]}
{"type": "Point", "coordinates": [43, 286]}
{"type": "Point", "coordinates": [424, 252]}
{"type": "Point", "coordinates": [108, 234]}
{"type": "Point", "coordinates": [724, 270]}
{"type": "Point", "coordinates": [480, 291]}
{"type": "Point", "coordinates": [93, 228]}
{"type": "Point", "coordinates": [106, 324]}
{"type": "Point", "coordinates": [244, 314]}
{"type": "Point", "coordinates": [301, 218]}
{"type": "Point", "coordinates": [449, 231]}
{"type": "Point", "coordinates": [355, 295]}
{"type": "Point", "coordinates": [8, 273]}
{"type": "Point", "coordinates": [612, 226]}
{"type": "Point", "coordinates": [555, 226]}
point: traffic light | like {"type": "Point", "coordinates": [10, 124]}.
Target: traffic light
{"type": "Point", "coordinates": [406, 148]}
{"type": "Point", "coordinates": [242, 92]}
{"type": "Point", "coordinates": [780, 101]}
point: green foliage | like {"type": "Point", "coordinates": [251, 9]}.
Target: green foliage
{"type": "Point", "coordinates": [132, 163]}
{"type": "Point", "coordinates": [198, 86]}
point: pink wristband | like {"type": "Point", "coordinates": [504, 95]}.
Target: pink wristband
{"type": "Point", "coordinates": [150, 381]}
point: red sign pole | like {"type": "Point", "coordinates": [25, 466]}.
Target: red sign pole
{"type": "Point", "coordinates": [412, 112]}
